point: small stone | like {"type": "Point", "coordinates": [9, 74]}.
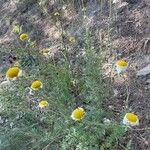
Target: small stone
{"type": "Point", "coordinates": [148, 87]}
{"type": "Point", "coordinates": [116, 1]}
{"type": "Point", "coordinates": [110, 107]}
{"type": "Point", "coordinates": [148, 81]}
{"type": "Point", "coordinates": [1, 105]}
{"type": "Point", "coordinates": [11, 124]}
{"type": "Point", "coordinates": [5, 83]}
{"type": "Point", "coordinates": [18, 116]}
{"type": "Point", "coordinates": [122, 7]}
{"type": "Point", "coordinates": [144, 71]}
{"type": "Point", "coordinates": [106, 121]}
{"type": "Point", "coordinates": [1, 121]}
{"type": "Point", "coordinates": [116, 93]}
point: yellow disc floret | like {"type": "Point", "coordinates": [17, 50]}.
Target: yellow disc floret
{"type": "Point", "coordinates": [72, 39]}
{"type": "Point", "coordinates": [44, 51]}
{"type": "Point", "coordinates": [78, 113]}
{"type": "Point", "coordinates": [131, 117]}
{"type": "Point", "coordinates": [12, 72]}
{"type": "Point", "coordinates": [23, 36]}
{"type": "Point", "coordinates": [36, 84]}
{"type": "Point", "coordinates": [43, 103]}
{"type": "Point", "coordinates": [121, 63]}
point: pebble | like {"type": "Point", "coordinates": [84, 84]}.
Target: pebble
{"type": "Point", "coordinates": [144, 71]}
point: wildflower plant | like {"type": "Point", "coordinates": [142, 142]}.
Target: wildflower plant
{"type": "Point", "coordinates": [56, 128]}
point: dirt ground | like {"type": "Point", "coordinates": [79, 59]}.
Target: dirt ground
{"type": "Point", "coordinates": [125, 27]}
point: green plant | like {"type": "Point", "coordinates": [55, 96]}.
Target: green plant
{"type": "Point", "coordinates": [27, 127]}
{"type": "Point", "coordinates": [65, 86]}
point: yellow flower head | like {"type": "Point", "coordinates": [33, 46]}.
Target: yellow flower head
{"type": "Point", "coordinates": [44, 51]}
{"type": "Point", "coordinates": [78, 114]}
{"type": "Point", "coordinates": [13, 72]}
{"type": "Point", "coordinates": [23, 36]}
{"type": "Point", "coordinates": [72, 39]}
{"type": "Point", "coordinates": [121, 66]}
{"type": "Point", "coordinates": [36, 85]}
{"type": "Point", "coordinates": [131, 119]}
{"type": "Point", "coordinates": [43, 103]}
{"type": "Point", "coordinates": [121, 63]}
{"type": "Point", "coordinates": [56, 14]}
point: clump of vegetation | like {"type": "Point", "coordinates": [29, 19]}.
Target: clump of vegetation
{"type": "Point", "coordinates": [58, 105]}
{"type": "Point", "coordinates": [37, 106]}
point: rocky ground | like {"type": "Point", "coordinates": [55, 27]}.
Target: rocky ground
{"type": "Point", "coordinates": [122, 28]}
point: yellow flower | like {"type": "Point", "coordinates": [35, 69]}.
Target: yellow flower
{"type": "Point", "coordinates": [131, 119]}
{"type": "Point", "coordinates": [23, 36]}
{"type": "Point", "coordinates": [72, 39]}
{"type": "Point", "coordinates": [36, 85]}
{"type": "Point", "coordinates": [56, 14]}
{"type": "Point", "coordinates": [43, 103]}
{"type": "Point", "coordinates": [13, 72]}
{"type": "Point", "coordinates": [121, 66]}
{"type": "Point", "coordinates": [78, 114]}
{"type": "Point", "coordinates": [44, 50]}
{"type": "Point", "coordinates": [121, 63]}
